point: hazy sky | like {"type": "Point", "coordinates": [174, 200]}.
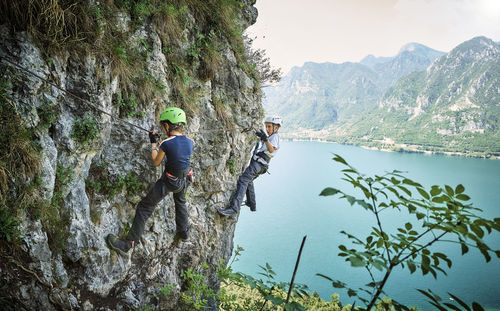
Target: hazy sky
{"type": "Point", "coordinates": [295, 31]}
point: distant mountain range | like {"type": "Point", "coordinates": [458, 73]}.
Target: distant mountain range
{"type": "Point", "coordinates": [317, 95]}
{"type": "Point", "coordinates": [411, 57]}
{"type": "Point", "coordinates": [420, 99]}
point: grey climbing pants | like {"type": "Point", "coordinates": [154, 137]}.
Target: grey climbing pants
{"type": "Point", "coordinates": [176, 185]}
{"type": "Point", "coordinates": [245, 185]}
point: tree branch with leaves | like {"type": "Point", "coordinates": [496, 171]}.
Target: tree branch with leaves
{"type": "Point", "coordinates": [261, 63]}
{"type": "Point", "coordinates": [441, 211]}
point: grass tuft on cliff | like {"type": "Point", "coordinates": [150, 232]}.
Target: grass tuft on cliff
{"type": "Point", "coordinates": [111, 31]}
{"type": "Point", "coordinates": [20, 180]}
{"type": "Point", "coordinates": [19, 162]}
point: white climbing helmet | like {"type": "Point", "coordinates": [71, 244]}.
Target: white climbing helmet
{"type": "Point", "coordinates": [274, 119]}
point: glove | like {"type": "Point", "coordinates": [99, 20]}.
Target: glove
{"type": "Point", "coordinates": [153, 137]}
{"type": "Point", "coordinates": [262, 135]}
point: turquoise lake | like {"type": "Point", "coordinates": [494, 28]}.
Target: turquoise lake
{"type": "Point", "coordinates": [289, 207]}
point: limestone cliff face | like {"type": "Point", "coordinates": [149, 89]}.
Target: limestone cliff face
{"type": "Point", "coordinates": [85, 274]}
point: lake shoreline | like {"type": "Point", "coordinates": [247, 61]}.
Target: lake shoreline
{"type": "Point", "coordinates": [400, 148]}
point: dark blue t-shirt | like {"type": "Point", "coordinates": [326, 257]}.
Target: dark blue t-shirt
{"type": "Point", "coordinates": [178, 150]}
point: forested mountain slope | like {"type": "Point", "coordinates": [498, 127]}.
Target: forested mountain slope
{"type": "Point", "coordinates": [317, 96]}
{"type": "Point", "coordinates": [452, 106]}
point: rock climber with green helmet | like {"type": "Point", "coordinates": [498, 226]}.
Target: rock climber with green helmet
{"type": "Point", "coordinates": [177, 148]}
{"type": "Point", "coordinates": [264, 151]}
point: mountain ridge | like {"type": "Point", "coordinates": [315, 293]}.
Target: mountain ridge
{"type": "Point", "coordinates": [336, 91]}
{"type": "Point", "coordinates": [458, 87]}
{"type": "Point", "coordinates": [453, 106]}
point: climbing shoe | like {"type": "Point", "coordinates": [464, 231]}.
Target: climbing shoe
{"type": "Point", "coordinates": [183, 234]}
{"type": "Point", "coordinates": [253, 208]}
{"type": "Point", "coordinates": [227, 211]}
{"type": "Point", "coordinates": [122, 246]}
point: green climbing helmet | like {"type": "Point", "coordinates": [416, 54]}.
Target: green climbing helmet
{"type": "Point", "coordinates": [174, 115]}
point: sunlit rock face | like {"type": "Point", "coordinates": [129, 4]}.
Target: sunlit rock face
{"type": "Point", "coordinates": [85, 274]}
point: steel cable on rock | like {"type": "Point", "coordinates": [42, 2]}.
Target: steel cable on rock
{"type": "Point", "coordinates": [92, 105]}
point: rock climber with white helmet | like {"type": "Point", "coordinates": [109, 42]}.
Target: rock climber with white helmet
{"type": "Point", "coordinates": [259, 164]}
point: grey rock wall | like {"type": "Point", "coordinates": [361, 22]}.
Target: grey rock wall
{"type": "Point", "coordinates": [87, 275]}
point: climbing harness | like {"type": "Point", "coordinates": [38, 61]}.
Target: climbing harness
{"type": "Point", "coordinates": [256, 155]}
{"type": "Point", "coordinates": [164, 186]}
{"type": "Point", "coordinates": [264, 156]}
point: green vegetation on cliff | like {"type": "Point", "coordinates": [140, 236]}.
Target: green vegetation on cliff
{"type": "Point", "coordinates": [111, 31]}
{"type": "Point", "coordinates": [128, 60]}
{"type": "Point", "coordinates": [19, 164]}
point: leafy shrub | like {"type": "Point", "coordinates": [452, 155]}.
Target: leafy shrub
{"type": "Point", "coordinates": [121, 52]}
{"type": "Point", "coordinates": [101, 181]}
{"type": "Point", "coordinates": [231, 165]}
{"type": "Point", "coordinates": [85, 130]}
{"type": "Point", "coordinates": [259, 65]}
{"type": "Point", "coordinates": [48, 114]}
{"type": "Point", "coordinates": [197, 290]}
{"type": "Point", "coordinates": [128, 105]}
{"type": "Point", "coordinates": [8, 223]}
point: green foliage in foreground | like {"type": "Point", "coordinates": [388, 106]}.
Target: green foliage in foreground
{"type": "Point", "coordinates": [247, 298]}
{"type": "Point", "coordinates": [445, 305]}
{"type": "Point", "coordinates": [269, 294]}
{"type": "Point", "coordinates": [441, 214]}
{"type": "Point", "coordinates": [241, 292]}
